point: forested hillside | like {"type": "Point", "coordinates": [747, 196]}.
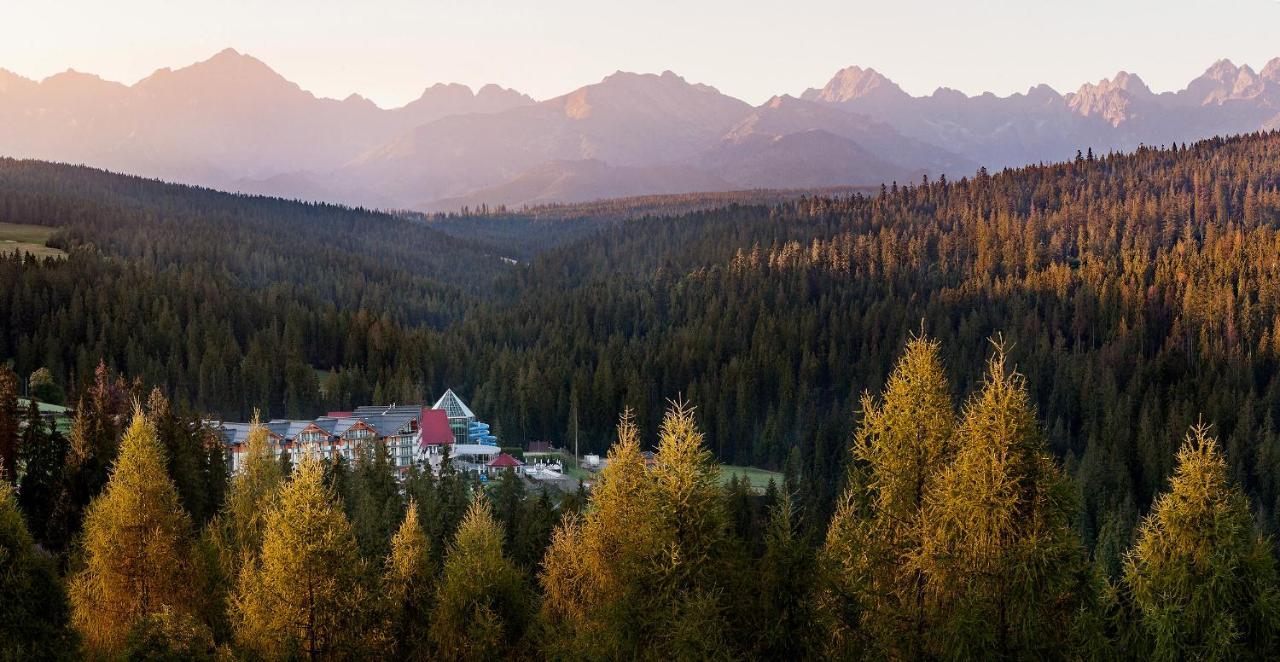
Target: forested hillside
{"type": "Point", "coordinates": [1137, 292]}
{"type": "Point", "coordinates": [227, 300]}
{"type": "Point", "coordinates": [1030, 415]}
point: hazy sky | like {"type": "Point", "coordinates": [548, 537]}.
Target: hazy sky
{"type": "Point", "coordinates": [389, 50]}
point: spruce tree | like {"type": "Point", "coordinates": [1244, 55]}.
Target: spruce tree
{"type": "Point", "coordinates": [1202, 579]}
{"type": "Point", "coordinates": [33, 606]}
{"type": "Point", "coordinates": [9, 417]}
{"type": "Point", "coordinates": [376, 507]}
{"type": "Point", "coordinates": [785, 574]}
{"type": "Point", "coordinates": [102, 411]}
{"type": "Point", "coordinates": [43, 451]}
{"type": "Point", "coordinates": [136, 541]}
{"type": "Point", "coordinates": [482, 604]}
{"type": "Point", "coordinates": [303, 595]}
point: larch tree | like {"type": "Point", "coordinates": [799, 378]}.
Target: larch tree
{"type": "Point", "coordinates": [598, 591]}
{"type": "Point", "coordinates": [695, 572]}
{"type": "Point", "coordinates": [483, 601]}
{"type": "Point", "coordinates": [1004, 571]}
{"type": "Point", "coordinates": [409, 585]}
{"type": "Point", "coordinates": [644, 572]}
{"type": "Point", "coordinates": [137, 548]}
{"type": "Point", "coordinates": [303, 596]}
{"type": "Point", "coordinates": [253, 493]}
{"type": "Point", "coordinates": [1201, 578]}
{"type": "Point", "coordinates": [875, 594]}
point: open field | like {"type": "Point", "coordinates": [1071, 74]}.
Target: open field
{"type": "Point", "coordinates": [27, 238]}
{"type": "Point", "coordinates": [759, 477]}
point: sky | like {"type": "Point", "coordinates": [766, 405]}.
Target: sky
{"type": "Point", "coordinates": [389, 50]}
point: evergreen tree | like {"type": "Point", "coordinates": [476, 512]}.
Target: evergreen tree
{"type": "Point", "coordinates": [507, 497]}
{"type": "Point", "coordinates": [102, 411]}
{"type": "Point", "coordinates": [1005, 571]}
{"type": "Point", "coordinates": [169, 635]}
{"type": "Point", "coordinates": [303, 595]}
{"type": "Point", "coordinates": [9, 417]}
{"type": "Point", "coordinates": [538, 519]}
{"type": "Point", "coordinates": [1203, 581]}
{"type": "Point", "coordinates": [33, 607]}
{"type": "Point", "coordinates": [482, 605]}
{"type": "Point", "coordinates": [137, 552]}
{"type": "Point", "coordinates": [376, 506]}
{"type": "Point", "coordinates": [409, 585]}
{"type": "Point", "coordinates": [43, 452]}
{"type": "Point", "coordinates": [786, 574]}
{"type": "Point", "coordinates": [904, 441]}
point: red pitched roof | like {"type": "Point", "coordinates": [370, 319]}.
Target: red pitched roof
{"type": "Point", "coordinates": [435, 428]}
{"type": "Point", "coordinates": [503, 461]}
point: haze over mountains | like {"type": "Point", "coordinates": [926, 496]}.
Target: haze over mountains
{"type": "Point", "coordinates": [231, 122]}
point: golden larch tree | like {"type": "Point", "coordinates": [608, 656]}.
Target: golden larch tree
{"type": "Point", "coordinates": [136, 541]}
{"type": "Point", "coordinates": [1003, 568]}
{"type": "Point", "coordinates": [408, 585]}
{"type": "Point", "coordinates": [874, 598]}
{"type": "Point", "coordinates": [1203, 581]}
{"type": "Point", "coordinates": [303, 595]}
{"type": "Point", "coordinates": [596, 579]}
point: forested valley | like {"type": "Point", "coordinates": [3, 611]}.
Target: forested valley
{"type": "Point", "coordinates": [1021, 415]}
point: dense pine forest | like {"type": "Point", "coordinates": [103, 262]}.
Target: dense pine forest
{"type": "Point", "coordinates": [1022, 415]}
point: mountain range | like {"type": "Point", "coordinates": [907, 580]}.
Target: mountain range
{"type": "Point", "coordinates": [231, 122]}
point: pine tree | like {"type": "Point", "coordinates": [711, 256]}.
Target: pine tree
{"type": "Point", "coordinates": [482, 605]}
{"type": "Point", "coordinates": [137, 551]}
{"type": "Point", "coordinates": [1203, 581]}
{"type": "Point", "coordinates": [904, 441]}
{"type": "Point", "coordinates": [33, 607]}
{"type": "Point", "coordinates": [409, 586]}
{"type": "Point", "coordinates": [1003, 568]}
{"type": "Point", "coordinates": [303, 594]}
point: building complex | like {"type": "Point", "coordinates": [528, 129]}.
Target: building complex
{"type": "Point", "coordinates": [413, 434]}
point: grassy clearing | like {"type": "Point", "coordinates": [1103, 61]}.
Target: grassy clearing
{"type": "Point", "coordinates": [759, 477]}
{"type": "Point", "coordinates": [28, 239]}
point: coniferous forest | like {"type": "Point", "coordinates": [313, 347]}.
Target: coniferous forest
{"type": "Point", "coordinates": [1024, 415]}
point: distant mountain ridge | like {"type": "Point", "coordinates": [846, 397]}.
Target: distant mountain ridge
{"type": "Point", "coordinates": [232, 122]}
